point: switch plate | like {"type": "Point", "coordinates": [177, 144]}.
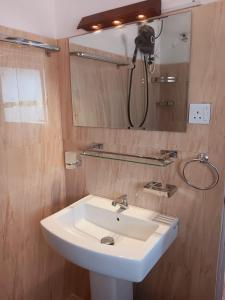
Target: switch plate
{"type": "Point", "coordinates": [200, 113]}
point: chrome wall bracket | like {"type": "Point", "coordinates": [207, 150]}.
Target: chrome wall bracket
{"type": "Point", "coordinates": [165, 103]}
{"type": "Point", "coordinates": [169, 153]}
{"type": "Point", "coordinates": [164, 79]}
{"type": "Point", "coordinates": [96, 146]}
{"type": "Point", "coordinates": [158, 189]}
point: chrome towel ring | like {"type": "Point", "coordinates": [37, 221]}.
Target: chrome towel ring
{"type": "Point", "coordinates": [204, 159]}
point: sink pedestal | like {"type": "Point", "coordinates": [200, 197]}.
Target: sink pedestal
{"type": "Point", "coordinates": [108, 288]}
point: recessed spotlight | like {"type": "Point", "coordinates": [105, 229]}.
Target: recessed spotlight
{"type": "Point", "coordinates": [141, 17]}
{"type": "Point", "coordinates": [117, 22]}
{"type": "Point", "coordinates": [95, 27]}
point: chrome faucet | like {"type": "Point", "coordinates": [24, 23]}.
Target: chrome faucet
{"type": "Point", "coordinates": [122, 201]}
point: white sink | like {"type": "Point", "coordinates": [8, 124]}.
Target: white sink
{"type": "Point", "coordinates": [141, 237]}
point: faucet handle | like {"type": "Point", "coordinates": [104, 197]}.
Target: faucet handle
{"type": "Point", "coordinates": [123, 197]}
{"type": "Point", "coordinates": [122, 201]}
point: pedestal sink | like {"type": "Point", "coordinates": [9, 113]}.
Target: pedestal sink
{"type": "Point", "coordinates": [136, 237]}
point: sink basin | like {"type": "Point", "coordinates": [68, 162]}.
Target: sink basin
{"type": "Point", "coordinates": [140, 237]}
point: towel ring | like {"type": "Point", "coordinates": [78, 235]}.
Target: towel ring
{"type": "Point", "coordinates": [204, 159]}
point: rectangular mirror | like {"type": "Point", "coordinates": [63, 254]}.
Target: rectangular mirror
{"type": "Point", "coordinates": [134, 76]}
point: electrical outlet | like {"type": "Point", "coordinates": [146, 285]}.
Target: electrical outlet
{"type": "Point", "coordinates": [200, 113]}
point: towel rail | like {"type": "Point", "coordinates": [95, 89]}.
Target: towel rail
{"type": "Point", "coordinates": [26, 42]}
{"type": "Point", "coordinates": [203, 159]}
{"type": "Point", "coordinates": [98, 58]}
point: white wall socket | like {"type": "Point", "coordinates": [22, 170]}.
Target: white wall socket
{"type": "Point", "coordinates": [200, 113]}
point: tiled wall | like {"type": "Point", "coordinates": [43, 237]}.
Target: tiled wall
{"type": "Point", "coordinates": [188, 270]}
{"type": "Point", "coordinates": [32, 171]}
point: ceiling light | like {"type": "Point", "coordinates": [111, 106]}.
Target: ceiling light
{"type": "Point", "coordinates": [95, 27]}
{"type": "Point", "coordinates": [139, 11]}
{"type": "Point", "coordinates": [116, 22]}
{"type": "Point", "coordinates": [141, 17]}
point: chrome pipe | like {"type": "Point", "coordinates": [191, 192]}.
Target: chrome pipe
{"type": "Point", "coordinates": [26, 42]}
{"type": "Point", "coordinates": [98, 58]}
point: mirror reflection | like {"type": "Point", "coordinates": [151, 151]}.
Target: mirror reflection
{"type": "Point", "coordinates": [135, 76]}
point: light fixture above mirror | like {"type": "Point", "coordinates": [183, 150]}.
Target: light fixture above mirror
{"type": "Point", "coordinates": [122, 15]}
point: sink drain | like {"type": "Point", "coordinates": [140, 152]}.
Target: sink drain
{"type": "Point", "coordinates": [108, 240]}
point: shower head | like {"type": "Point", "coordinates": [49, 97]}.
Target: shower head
{"type": "Point", "coordinates": [145, 41]}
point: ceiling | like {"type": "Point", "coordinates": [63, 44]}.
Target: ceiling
{"type": "Point", "coordinates": [59, 18]}
{"type": "Point", "coordinates": [69, 13]}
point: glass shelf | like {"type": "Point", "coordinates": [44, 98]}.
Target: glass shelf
{"type": "Point", "coordinates": [160, 161]}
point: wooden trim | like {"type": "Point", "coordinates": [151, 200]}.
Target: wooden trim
{"type": "Point", "coordinates": [125, 14]}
